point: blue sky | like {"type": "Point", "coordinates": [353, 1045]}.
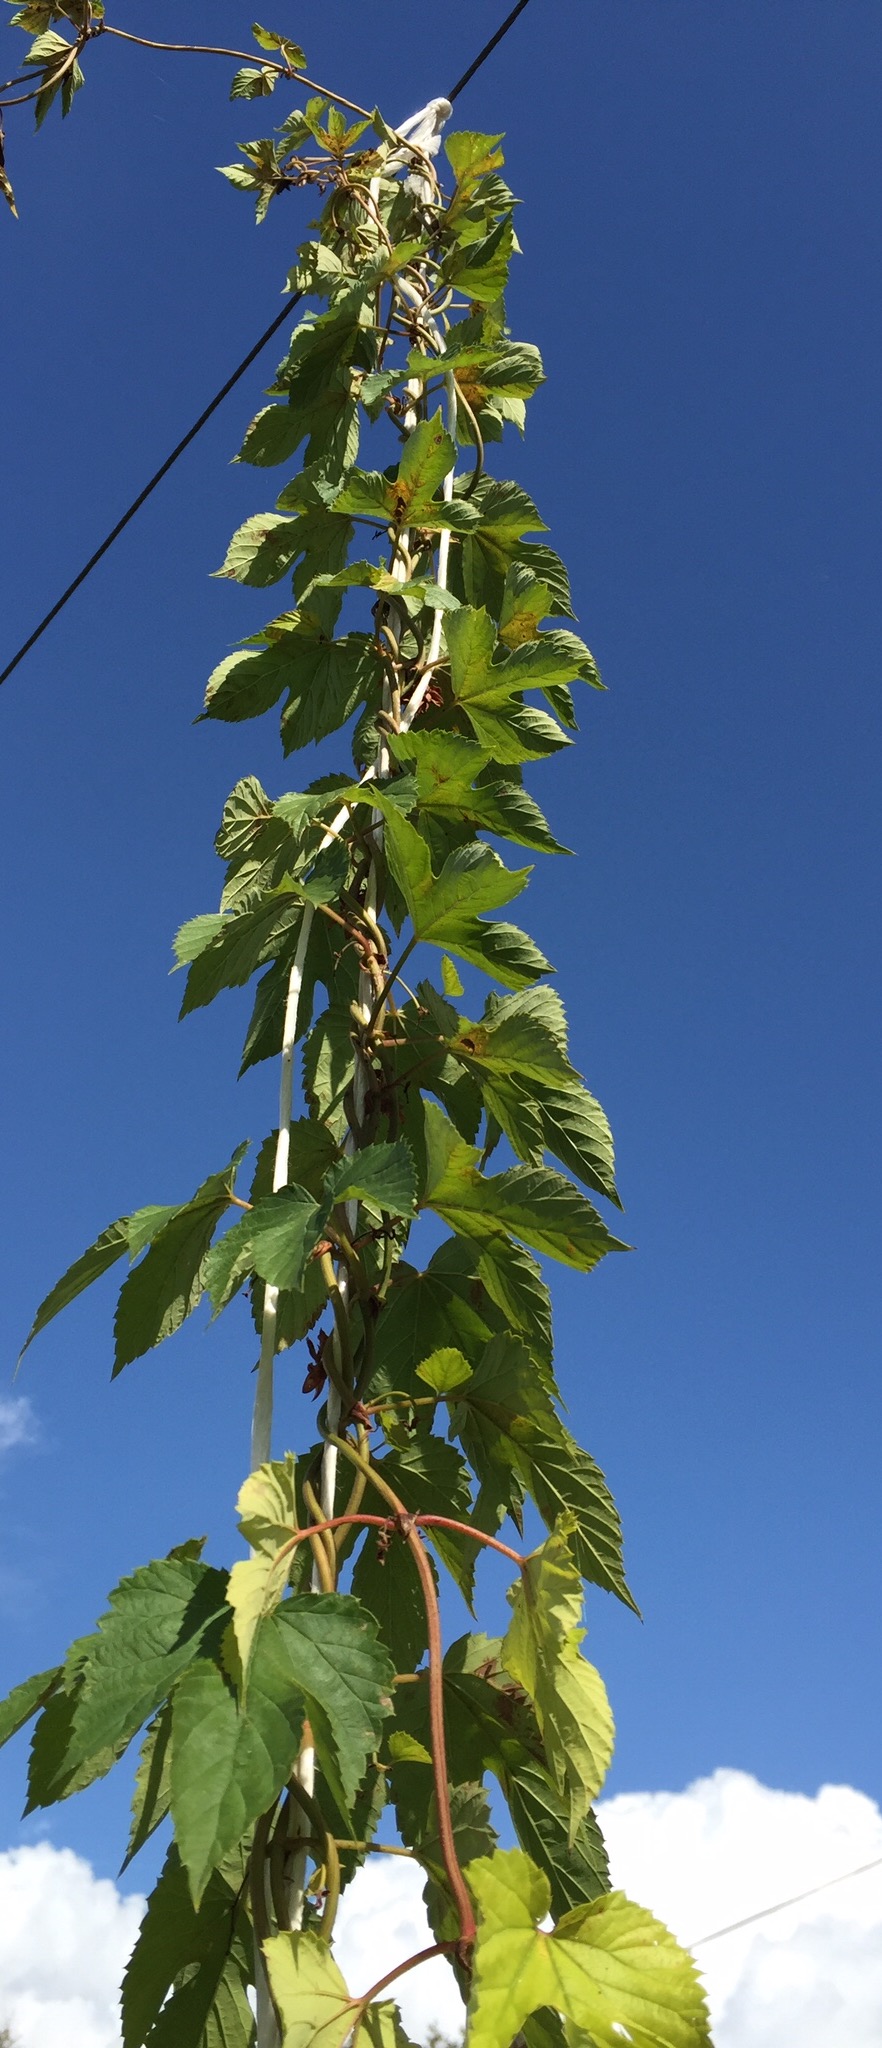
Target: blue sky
{"type": "Point", "coordinates": [701, 234]}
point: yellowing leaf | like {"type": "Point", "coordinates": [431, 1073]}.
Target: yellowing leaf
{"type": "Point", "coordinates": [611, 1969]}
{"type": "Point", "coordinates": [409, 497]}
{"type": "Point", "coordinates": [268, 1520]}
{"type": "Point", "coordinates": [266, 1505]}
{"type": "Point", "coordinates": [311, 1996]}
{"type": "Point", "coordinates": [541, 1653]}
{"type": "Point", "coordinates": [268, 39]}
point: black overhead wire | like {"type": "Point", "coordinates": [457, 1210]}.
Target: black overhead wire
{"type": "Point", "coordinates": [169, 462]}
{"type": "Point", "coordinates": [220, 395]}
{"type": "Point", "coordinates": [482, 56]}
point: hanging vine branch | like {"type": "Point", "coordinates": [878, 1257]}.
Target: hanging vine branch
{"type": "Point", "coordinates": [427, 623]}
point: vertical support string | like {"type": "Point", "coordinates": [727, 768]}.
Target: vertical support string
{"type": "Point", "coordinates": [262, 1421]}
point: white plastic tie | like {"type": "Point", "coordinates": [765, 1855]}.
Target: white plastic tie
{"type": "Point", "coordinates": [424, 129]}
{"type": "Point", "coordinates": [423, 132]}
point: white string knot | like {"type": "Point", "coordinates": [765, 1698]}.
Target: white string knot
{"type": "Point", "coordinates": [423, 132]}
{"type": "Point", "coordinates": [424, 129]}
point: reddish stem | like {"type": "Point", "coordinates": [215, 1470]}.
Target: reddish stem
{"type": "Point", "coordinates": [477, 1535]}
{"type": "Point", "coordinates": [467, 1929]}
{"type": "Point", "coordinates": [426, 1955]}
{"type": "Point", "coordinates": [410, 1526]}
{"type": "Point", "coordinates": [455, 1877]}
{"type": "Point", "coordinates": [335, 1522]}
{"type": "Point", "coordinates": [415, 1522]}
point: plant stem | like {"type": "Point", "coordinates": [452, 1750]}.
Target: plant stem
{"type": "Point", "coordinates": [276, 1860]}
{"type": "Point", "coordinates": [477, 1536]}
{"type": "Point", "coordinates": [404, 1521]}
{"type": "Point", "coordinates": [353, 1504]}
{"type": "Point", "coordinates": [455, 1877]}
{"type": "Point", "coordinates": [374, 1848]}
{"type": "Point", "coordinates": [53, 78]}
{"type": "Point", "coordinates": [313, 1813]}
{"type": "Point", "coordinates": [254, 57]}
{"type": "Point", "coordinates": [391, 979]}
{"type": "Point", "coordinates": [198, 50]}
{"type": "Point", "coordinates": [341, 1321]}
{"type": "Point", "coordinates": [304, 1773]}
{"type": "Point", "coordinates": [268, 2029]}
{"type": "Point", "coordinates": [373, 993]}
{"type": "Point", "coordinates": [321, 1544]}
{"type": "Point", "coordinates": [425, 1955]}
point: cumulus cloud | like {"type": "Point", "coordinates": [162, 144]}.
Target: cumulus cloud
{"type": "Point", "coordinates": [727, 1847]}
{"type": "Point", "coordinates": [702, 1858]}
{"type": "Point", "coordinates": [16, 1422]}
{"type": "Point", "coordinates": [65, 1935]}
{"type": "Point", "coordinates": [382, 1921]}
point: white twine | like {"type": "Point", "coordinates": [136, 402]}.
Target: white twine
{"type": "Point", "coordinates": [423, 132]}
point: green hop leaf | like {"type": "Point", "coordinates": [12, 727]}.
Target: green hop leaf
{"type": "Point", "coordinates": [541, 1653]}
{"type": "Point", "coordinates": [611, 1969]}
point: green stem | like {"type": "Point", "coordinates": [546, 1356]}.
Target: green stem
{"type": "Point", "coordinates": [391, 979]}
{"type": "Point", "coordinates": [366, 1367]}
{"type": "Point", "coordinates": [259, 1914]}
{"type": "Point", "coordinates": [323, 1546]}
{"type": "Point", "coordinates": [314, 1814]}
{"type": "Point", "coordinates": [375, 1848]}
{"type": "Point", "coordinates": [346, 1248]}
{"type": "Point", "coordinates": [478, 470]}
{"type": "Point", "coordinates": [411, 1401]}
{"type": "Point", "coordinates": [278, 1850]}
{"type": "Point", "coordinates": [385, 1281]}
{"type": "Point", "coordinates": [345, 1385]}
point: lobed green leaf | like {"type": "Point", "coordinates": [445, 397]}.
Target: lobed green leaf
{"type": "Point", "coordinates": [612, 1970]}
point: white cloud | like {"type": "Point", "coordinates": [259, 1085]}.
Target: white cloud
{"type": "Point", "coordinates": [65, 1935]}
{"type": "Point", "coordinates": [725, 1847]}
{"type": "Point", "coordinates": [702, 1858]}
{"type": "Point", "coordinates": [382, 1921]}
{"type": "Point", "coordinates": [17, 1425]}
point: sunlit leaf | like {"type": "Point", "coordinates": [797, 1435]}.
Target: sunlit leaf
{"type": "Point", "coordinates": [308, 1990]}
{"type": "Point", "coordinates": [612, 1970]}
{"type": "Point", "coordinates": [541, 1651]}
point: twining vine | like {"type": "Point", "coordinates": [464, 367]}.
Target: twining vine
{"type": "Point", "coordinates": [283, 1715]}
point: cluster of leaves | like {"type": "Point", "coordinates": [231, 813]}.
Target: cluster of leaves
{"type": "Point", "coordinates": [451, 669]}
{"type": "Point", "coordinates": [53, 60]}
{"type": "Point", "coordinates": [53, 65]}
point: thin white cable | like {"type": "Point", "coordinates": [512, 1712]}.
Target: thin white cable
{"type": "Point", "coordinates": [765, 1912]}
